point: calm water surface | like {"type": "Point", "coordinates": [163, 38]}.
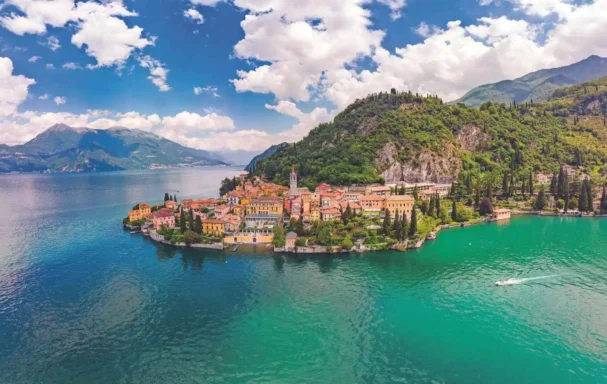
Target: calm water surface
{"type": "Point", "coordinates": [82, 301]}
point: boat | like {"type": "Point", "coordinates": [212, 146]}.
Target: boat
{"type": "Point", "coordinates": [505, 282]}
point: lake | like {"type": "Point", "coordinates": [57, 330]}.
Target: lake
{"type": "Point", "coordinates": [83, 301]}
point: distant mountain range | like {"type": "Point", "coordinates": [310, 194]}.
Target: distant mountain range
{"type": "Point", "coordinates": [251, 166]}
{"type": "Point", "coordinates": [537, 86]}
{"type": "Point", "coordinates": [66, 149]}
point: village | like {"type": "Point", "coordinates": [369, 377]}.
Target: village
{"type": "Point", "coordinates": [341, 219]}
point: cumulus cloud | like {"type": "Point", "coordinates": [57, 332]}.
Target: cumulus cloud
{"type": "Point", "coordinates": [209, 89]}
{"type": "Point", "coordinates": [60, 100]}
{"type": "Point", "coordinates": [52, 43]}
{"type": "Point", "coordinates": [13, 88]}
{"type": "Point", "coordinates": [194, 15]}
{"type": "Point", "coordinates": [158, 73]}
{"type": "Point", "coordinates": [44, 96]}
{"type": "Point", "coordinates": [71, 66]}
{"type": "Point", "coordinates": [33, 59]}
{"type": "Point", "coordinates": [395, 6]}
{"type": "Point", "coordinates": [50, 66]}
{"type": "Point", "coordinates": [426, 30]}
{"type": "Point", "coordinates": [131, 120]}
{"type": "Point", "coordinates": [209, 3]}
{"type": "Point", "coordinates": [99, 27]}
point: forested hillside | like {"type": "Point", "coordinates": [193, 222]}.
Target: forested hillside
{"type": "Point", "coordinates": [392, 137]}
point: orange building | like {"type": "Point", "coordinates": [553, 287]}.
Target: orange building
{"type": "Point", "coordinates": [170, 204]}
{"type": "Point", "coordinates": [372, 203]}
{"type": "Point", "coordinates": [400, 203]}
{"type": "Point", "coordinates": [213, 227]}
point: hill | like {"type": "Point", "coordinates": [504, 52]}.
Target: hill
{"type": "Point", "coordinates": [394, 137]}
{"type": "Point", "coordinates": [251, 166]}
{"type": "Point", "coordinates": [65, 149]}
{"type": "Point", "coordinates": [537, 86]}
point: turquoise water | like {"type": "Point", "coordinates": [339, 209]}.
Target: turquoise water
{"type": "Point", "coordinates": [82, 301]}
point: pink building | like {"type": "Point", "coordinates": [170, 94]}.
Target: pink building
{"type": "Point", "coordinates": [221, 210]}
{"type": "Point", "coordinates": [163, 218]}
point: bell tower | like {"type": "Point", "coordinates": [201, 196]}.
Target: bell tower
{"type": "Point", "coordinates": [293, 185]}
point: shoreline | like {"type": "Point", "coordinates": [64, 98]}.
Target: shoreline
{"type": "Point", "coordinates": [324, 250]}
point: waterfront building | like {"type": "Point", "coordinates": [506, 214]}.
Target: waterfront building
{"type": "Point", "coordinates": [232, 223]}
{"type": "Point", "coordinates": [135, 215]}
{"type": "Point", "coordinates": [170, 204]}
{"type": "Point", "coordinates": [330, 214]}
{"type": "Point", "coordinates": [213, 227]}
{"type": "Point", "coordinates": [163, 218]}
{"type": "Point", "coordinates": [372, 203]}
{"type": "Point", "coordinates": [293, 182]}
{"type": "Point", "coordinates": [400, 203]}
{"type": "Point", "coordinates": [501, 214]}
{"type": "Point", "coordinates": [250, 237]}
{"type": "Point", "coordinates": [290, 240]}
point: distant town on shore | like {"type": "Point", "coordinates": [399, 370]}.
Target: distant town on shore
{"type": "Point", "coordinates": [356, 218]}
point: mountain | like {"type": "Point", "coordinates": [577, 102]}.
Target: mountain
{"type": "Point", "coordinates": [536, 86]}
{"type": "Point", "coordinates": [66, 149]}
{"type": "Point", "coordinates": [401, 137]}
{"type": "Point", "coordinates": [251, 166]}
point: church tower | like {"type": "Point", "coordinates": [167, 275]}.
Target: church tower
{"type": "Point", "coordinates": [293, 186]}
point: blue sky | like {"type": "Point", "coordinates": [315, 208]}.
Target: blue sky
{"type": "Point", "coordinates": [240, 75]}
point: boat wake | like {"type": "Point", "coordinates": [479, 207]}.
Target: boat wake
{"type": "Point", "coordinates": [521, 281]}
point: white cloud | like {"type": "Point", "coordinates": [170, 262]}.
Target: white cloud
{"type": "Point", "coordinates": [14, 132]}
{"type": "Point", "coordinates": [495, 30]}
{"type": "Point", "coordinates": [59, 100]}
{"type": "Point", "coordinates": [50, 66]}
{"type": "Point", "coordinates": [304, 41]}
{"type": "Point", "coordinates": [193, 14]}
{"type": "Point", "coordinates": [13, 88]}
{"type": "Point", "coordinates": [71, 66]}
{"type": "Point", "coordinates": [98, 26]}
{"type": "Point", "coordinates": [33, 59]}
{"type": "Point", "coordinates": [44, 96]}
{"type": "Point", "coordinates": [158, 73]}
{"type": "Point", "coordinates": [209, 89]}
{"type": "Point", "coordinates": [131, 120]}
{"type": "Point", "coordinates": [305, 121]}
{"type": "Point", "coordinates": [426, 30]}
{"type": "Point", "coordinates": [53, 43]}
{"type": "Point", "coordinates": [395, 6]}
{"type": "Point", "coordinates": [209, 3]}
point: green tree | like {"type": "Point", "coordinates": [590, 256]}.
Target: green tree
{"type": "Point", "coordinates": [413, 224]}
{"type": "Point", "coordinates": [437, 204]}
{"type": "Point", "coordinates": [505, 188]}
{"type": "Point", "coordinates": [189, 238]}
{"type": "Point", "coordinates": [346, 243]}
{"type": "Point", "coordinates": [454, 211]}
{"type": "Point", "coordinates": [485, 207]}
{"type": "Point", "coordinates": [540, 201]}
{"type": "Point", "coordinates": [562, 181]}
{"type": "Point", "coordinates": [603, 208]}
{"type": "Point", "coordinates": [299, 226]}
{"type": "Point", "coordinates": [198, 226]}
{"type": "Point", "coordinates": [531, 183]}
{"type": "Point", "coordinates": [554, 186]}
{"type": "Point", "coordinates": [415, 194]}
{"type": "Point", "coordinates": [192, 225]}
{"type": "Point", "coordinates": [387, 222]}
{"type": "Point", "coordinates": [489, 193]}
{"type": "Point", "coordinates": [432, 207]}
{"type": "Point", "coordinates": [279, 237]}
{"type": "Point", "coordinates": [590, 196]}
{"type": "Point", "coordinates": [583, 200]}
{"type": "Point", "coordinates": [404, 228]}
{"type": "Point", "coordinates": [325, 235]}
{"type": "Point", "coordinates": [166, 197]}
{"type": "Point", "coordinates": [397, 224]}
{"type": "Point", "coordinates": [182, 222]}
{"type": "Point", "coordinates": [566, 195]}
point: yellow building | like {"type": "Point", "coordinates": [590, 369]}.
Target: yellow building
{"type": "Point", "coordinates": [265, 206]}
{"type": "Point", "coordinates": [255, 237]}
{"type": "Point", "coordinates": [141, 211]}
{"type": "Point", "coordinates": [315, 214]}
{"type": "Point", "coordinates": [145, 209]}
{"type": "Point", "coordinates": [213, 227]}
{"type": "Point", "coordinates": [402, 203]}
{"type": "Point", "coordinates": [238, 210]}
{"type": "Point", "coordinates": [135, 215]}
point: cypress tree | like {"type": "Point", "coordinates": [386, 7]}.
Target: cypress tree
{"type": "Point", "coordinates": [454, 211]}
{"type": "Point", "coordinates": [166, 197]}
{"type": "Point", "coordinates": [415, 192]}
{"type": "Point", "coordinates": [192, 226]}
{"type": "Point", "coordinates": [531, 183]}
{"type": "Point", "coordinates": [397, 225]}
{"type": "Point", "coordinates": [603, 202]}
{"type": "Point", "coordinates": [477, 196]}
{"type": "Point", "coordinates": [198, 227]}
{"type": "Point", "coordinates": [349, 212]}
{"type": "Point", "coordinates": [583, 200]}
{"type": "Point", "coordinates": [523, 188]}
{"type": "Point", "coordinates": [413, 225]}
{"type": "Point", "coordinates": [386, 226]}
{"type": "Point", "coordinates": [505, 185]}
{"type": "Point", "coordinates": [554, 186]}
{"type": "Point", "coordinates": [566, 196]}
{"type": "Point", "coordinates": [437, 205]}
{"type": "Point", "coordinates": [432, 207]}
{"type": "Point", "coordinates": [590, 196]}
{"type": "Point", "coordinates": [540, 202]}
{"type": "Point", "coordinates": [404, 228]}
{"type": "Point", "coordinates": [182, 222]}
{"type": "Point", "coordinates": [490, 191]}
{"type": "Point", "coordinates": [175, 198]}
{"type": "Point", "coordinates": [562, 180]}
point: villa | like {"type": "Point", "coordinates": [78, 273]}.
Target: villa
{"type": "Point", "coordinates": [213, 227]}
{"type": "Point", "coordinates": [163, 218]}
{"type": "Point", "coordinates": [502, 214]}
{"type": "Point", "coordinates": [170, 204]}
{"type": "Point", "coordinates": [400, 203]}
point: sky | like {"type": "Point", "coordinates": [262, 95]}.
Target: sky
{"type": "Point", "coordinates": [236, 76]}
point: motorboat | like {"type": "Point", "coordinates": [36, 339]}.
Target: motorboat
{"type": "Point", "coordinates": [506, 282]}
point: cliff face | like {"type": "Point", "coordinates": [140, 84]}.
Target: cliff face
{"type": "Point", "coordinates": [400, 137]}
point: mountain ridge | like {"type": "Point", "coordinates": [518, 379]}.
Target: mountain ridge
{"type": "Point", "coordinates": [538, 85]}
{"type": "Point", "coordinates": [62, 148]}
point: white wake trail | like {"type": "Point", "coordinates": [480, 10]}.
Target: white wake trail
{"type": "Point", "coordinates": [520, 281]}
